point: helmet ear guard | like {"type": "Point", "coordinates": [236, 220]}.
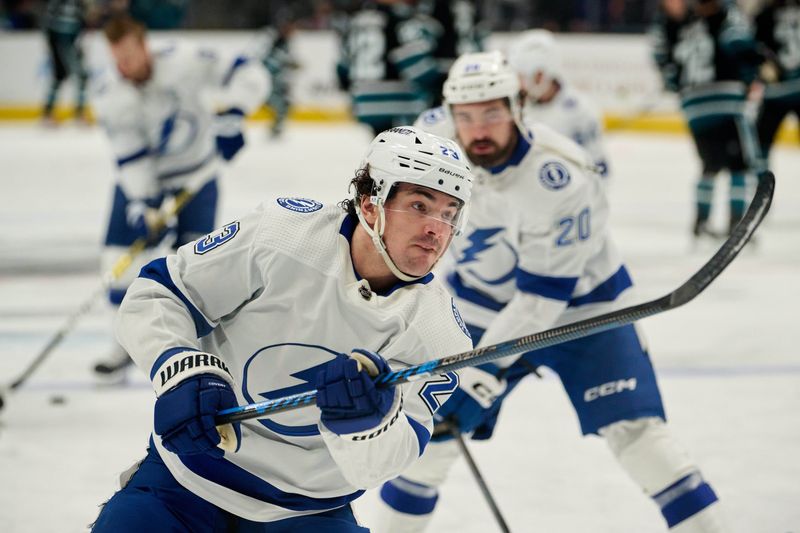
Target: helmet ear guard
{"type": "Point", "coordinates": [410, 155]}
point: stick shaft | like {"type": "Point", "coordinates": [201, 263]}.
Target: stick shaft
{"type": "Point", "coordinates": [683, 294]}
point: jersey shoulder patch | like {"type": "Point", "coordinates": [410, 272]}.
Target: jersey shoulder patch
{"type": "Point", "coordinates": [432, 116]}
{"type": "Point", "coordinates": [554, 175]}
{"type": "Point", "coordinates": [299, 205]}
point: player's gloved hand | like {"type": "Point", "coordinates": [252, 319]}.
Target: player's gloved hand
{"type": "Point", "coordinates": [142, 218]}
{"type": "Point", "coordinates": [347, 396]}
{"type": "Point", "coordinates": [229, 137]}
{"type": "Point", "coordinates": [184, 415]}
{"type": "Point", "coordinates": [476, 394]}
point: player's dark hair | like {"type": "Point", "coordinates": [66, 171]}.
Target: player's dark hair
{"type": "Point", "coordinates": [121, 25]}
{"type": "Point", "coordinates": [364, 185]}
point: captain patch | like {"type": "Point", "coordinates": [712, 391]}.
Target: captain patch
{"type": "Point", "coordinates": [300, 205]}
{"type": "Point", "coordinates": [554, 175]}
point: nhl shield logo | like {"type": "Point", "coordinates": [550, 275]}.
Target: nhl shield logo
{"type": "Point", "coordinates": [554, 175]}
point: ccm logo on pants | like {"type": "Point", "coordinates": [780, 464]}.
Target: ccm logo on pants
{"type": "Point", "coordinates": [607, 389]}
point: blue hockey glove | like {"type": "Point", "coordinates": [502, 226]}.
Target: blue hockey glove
{"type": "Point", "coordinates": [472, 401]}
{"type": "Point", "coordinates": [347, 396]}
{"type": "Point", "coordinates": [184, 415]}
{"type": "Point", "coordinates": [228, 125]}
{"type": "Point", "coordinates": [141, 217]}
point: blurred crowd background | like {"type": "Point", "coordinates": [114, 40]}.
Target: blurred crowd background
{"type": "Point", "coordinates": [607, 16]}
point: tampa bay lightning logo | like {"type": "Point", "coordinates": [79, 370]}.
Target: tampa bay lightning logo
{"type": "Point", "coordinates": [300, 205]}
{"type": "Point", "coordinates": [459, 320]}
{"type": "Point", "coordinates": [432, 116]}
{"type": "Point", "coordinates": [299, 363]}
{"type": "Point", "coordinates": [554, 175]}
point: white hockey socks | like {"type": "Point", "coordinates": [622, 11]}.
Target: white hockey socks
{"type": "Point", "coordinates": [408, 501]}
{"type": "Point", "coordinates": [650, 455]}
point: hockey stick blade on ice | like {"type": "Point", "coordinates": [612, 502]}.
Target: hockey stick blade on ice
{"type": "Point", "coordinates": [683, 294]}
{"type": "Point", "coordinates": [120, 266]}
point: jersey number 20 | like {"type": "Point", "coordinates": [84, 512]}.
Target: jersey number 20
{"type": "Point", "coordinates": [574, 229]}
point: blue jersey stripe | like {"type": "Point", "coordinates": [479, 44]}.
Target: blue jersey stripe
{"type": "Point", "coordinates": [157, 271]}
{"type": "Point", "coordinates": [161, 359]}
{"type": "Point", "coordinates": [133, 157]}
{"type": "Point", "coordinates": [606, 291]}
{"type": "Point", "coordinates": [471, 295]}
{"type": "Point", "coordinates": [520, 151]}
{"type": "Point", "coordinates": [229, 475]}
{"type": "Point", "coordinates": [423, 437]}
{"type": "Point", "coordinates": [238, 62]}
{"type": "Point", "coordinates": [555, 288]}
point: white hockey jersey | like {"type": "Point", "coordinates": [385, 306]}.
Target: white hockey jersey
{"type": "Point", "coordinates": [274, 296]}
{"type": "Point", "coordinates": [536, 252]}
{"type": "Point", "coordinates": [162, 132]}
{"type": "Point", "coordinates": [571, 114]}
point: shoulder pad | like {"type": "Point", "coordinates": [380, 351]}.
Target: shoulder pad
{"type": "Point", "coordinates": [547, 139]}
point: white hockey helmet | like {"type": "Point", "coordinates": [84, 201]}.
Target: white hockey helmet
{"type": "Point", "coordinates": [410, 155]}
{"type": "Point", "coordinates": [481, 77]}
{"type": "Point", "coordinates": [532, 52]}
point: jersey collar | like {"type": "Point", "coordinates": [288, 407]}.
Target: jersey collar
{"type": "Point", "coordinates": [516, 156]}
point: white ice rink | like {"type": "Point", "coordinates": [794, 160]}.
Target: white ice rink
{"type": "Point", "coordinates": [728, 362]}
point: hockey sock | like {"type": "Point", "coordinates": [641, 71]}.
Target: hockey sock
{"type": "Point", "coordinates": [408, 505]}
{"type": "Point", "coordinates": [704, 194]}
{"type": "Point", "coordinates": [684, 498]}
{"type": "Point", "coordinates": [738, 196]}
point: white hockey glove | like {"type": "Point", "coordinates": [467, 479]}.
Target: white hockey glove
{"type": "Point", "coordinates": [472, 401]}
{"type": "Point", "coordinates": [480, 385]}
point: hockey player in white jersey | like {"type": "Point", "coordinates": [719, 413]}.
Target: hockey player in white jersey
{"type": "Point", "coordinates": [171, 115]}
{"type": "Point", "coordinates": [536, 254]}
{"type": "Point", "coordinates": [550, 99]}
{"type": "Point", "coordinates": [274, 304]}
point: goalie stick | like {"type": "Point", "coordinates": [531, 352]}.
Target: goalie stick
{"type": "Point", "coordinates": [689, 290]}
{"type": "Point", "coordinates": [170, 208]}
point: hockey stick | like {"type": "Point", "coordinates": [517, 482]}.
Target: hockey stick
{"type": "Point", "coordinates": [476, 473]}
{"type": "Point", "coordinates": [683, 294]}
{"type": "Point", "coordinates": [170, 208]}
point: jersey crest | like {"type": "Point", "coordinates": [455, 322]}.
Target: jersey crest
{"type": "Point", "coordinates": [300, 205]}
{"type": "Point", "coordinates": [554, 175]}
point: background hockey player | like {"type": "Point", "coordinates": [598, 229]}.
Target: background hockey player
{"type": "Point", "coordinates": [387, 63]}
{"type": "Point", "coordinates": [777, 29]}
{"type": "Point", "coordinates": [456, 30]}
{"type": "Point", "coordinates": [171, 116]}
{"type": "Point", "coordinates": [64, 24]}
{"type": "Point", "coordinates": [276, 55]}
{"type": "Point", "coordinates": [550, 99]}
{"type": "Point", "coordinates": [709, 55]}
{"type": "Point", "coordinates": [537, 254]}
{"type": "Point", "coordinates": [271, 305]}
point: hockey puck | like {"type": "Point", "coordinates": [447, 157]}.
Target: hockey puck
{"type": "Point", "coordinates": [57, 399]}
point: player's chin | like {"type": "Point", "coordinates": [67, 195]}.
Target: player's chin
{"type": "Point", "coordinates": [420, 262]}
